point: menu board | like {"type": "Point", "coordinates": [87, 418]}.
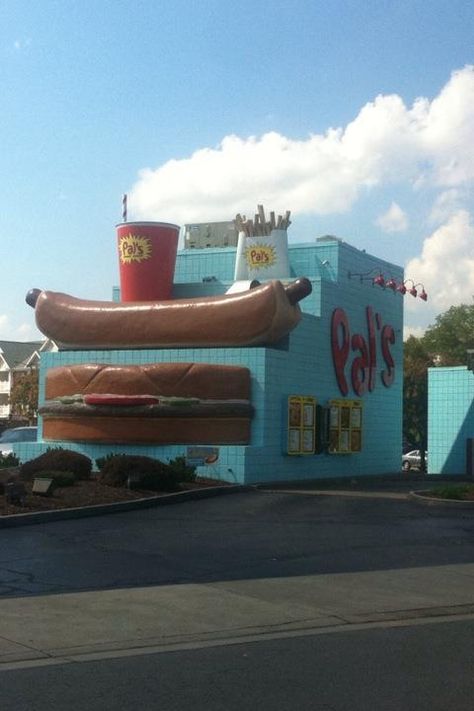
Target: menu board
{"type": "Point", "coordinates": [345, 426]}
{"type": "Point", "coordinates": [301, 425]}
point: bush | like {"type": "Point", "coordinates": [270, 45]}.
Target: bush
{"type": "Point", "coordinates": [181, 470]}
{"type": "Point", "coordinates": [8, 460]}
{"type": "Point", "coordinates": [138, 472]}
{"type": "Point", "coordinates": [100, 461]}
{"type": "Point", "coordinates": [60, 478]}
{"type": "Point", "coordinates": [64, 460]}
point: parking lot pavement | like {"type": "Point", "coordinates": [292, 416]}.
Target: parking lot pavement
{"type": "Point", "coordinates": [254, 565]}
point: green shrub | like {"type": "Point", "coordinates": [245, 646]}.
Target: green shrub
{"type": "Point", "coordinates": [100, 461]}
{"type": "Point", "coordinates": [64, 460]}
{"type": "Point", "coordinates": [60, 478]}
{"type": "Point", "coordinates": [8, 460]}
{"type": "Point", "coordinates": [138, 472]}
{"type": "Point", "coordinates": [181, 470]}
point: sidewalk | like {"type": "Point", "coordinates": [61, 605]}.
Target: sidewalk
{"type": "Point", "coordinates": [104, 624]}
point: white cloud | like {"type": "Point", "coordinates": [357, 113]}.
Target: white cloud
{"type": "Point", "coordinates": [448, 130]}
{"type": "Point", "coordinates": [446, 203]}
{"type": "Point", "coordinates": [446, 265]}
{"type": "Point", "coordinates": [14, 332]}
{"type": "Point", "coordinates": [417, 331]}
{"type": "Point", "coordinates": [394, 220]}
{"type": "Point", "coordinates": [27, 332]}
{"type": "Point", "coordinates": [429, 144]}
{"type": "Point", "coordinates": [4, 325]}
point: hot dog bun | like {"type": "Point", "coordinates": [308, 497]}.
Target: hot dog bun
{"type": "Point", "coordinates": [161, 403]}
{"type": "Point", "coordinates": [200, 380]}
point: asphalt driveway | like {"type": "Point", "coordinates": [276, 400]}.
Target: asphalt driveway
{"type": "Point", "coordinates": [251, 565]}
{"type": "Point", "coordinates": [250, 535]}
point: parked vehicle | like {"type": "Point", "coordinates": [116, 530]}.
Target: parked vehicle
{"type": "Point", "coordinates": [14, 435]}
{"type": "Point", "coordinates": [412, 460]}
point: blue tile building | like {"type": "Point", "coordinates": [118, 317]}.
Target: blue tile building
{"type": "Point", "coordinates": [450, 419]}
{"type": "Point", "coordinates": [342, 366]}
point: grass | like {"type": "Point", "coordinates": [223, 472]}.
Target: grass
{"type": "Point", "coordinates": [458, 492]}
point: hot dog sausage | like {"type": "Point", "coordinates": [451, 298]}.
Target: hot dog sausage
{"type": "Point", "coordinates": [261, 315]}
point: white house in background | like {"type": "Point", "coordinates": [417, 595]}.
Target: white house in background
{"type": "Point", "coordinates": [17, 357]}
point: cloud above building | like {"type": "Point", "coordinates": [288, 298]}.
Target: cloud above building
{"type": "Point", "coordinates": [446, 204]}
{"type": "Point", "coordinates": [446, 264]}
{"type": "Point", "coordinates": [429, 144]}
{"type": "Point", "coordinates": [425, 150]}
{"type": "Point", "coordinates": [394, 220]}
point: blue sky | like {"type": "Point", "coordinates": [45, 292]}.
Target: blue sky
{"type": "Point", "coordinates": [359, 117]}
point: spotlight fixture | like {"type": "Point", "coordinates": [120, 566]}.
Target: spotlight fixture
{"type": "Point", "coordinates": [422, 294]}
{"type": "Point", "coordinates": [412, 290]}
{"type": "Point", "coordinates": [390, 283]}
{"type": "Point", "coordinates": [402, 289]}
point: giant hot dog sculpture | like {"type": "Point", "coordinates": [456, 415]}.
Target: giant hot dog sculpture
{"type": "Point", "coordinates": [259, 316]}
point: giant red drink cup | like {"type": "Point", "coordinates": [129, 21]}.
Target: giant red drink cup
{"type": "Point", "coordinates": [147, 259]}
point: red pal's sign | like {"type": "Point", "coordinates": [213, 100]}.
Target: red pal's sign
{"type": "Point", "coordinates": [355, 356]}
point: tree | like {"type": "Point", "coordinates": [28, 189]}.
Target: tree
{"type": "Point", "coordinates": [452, 335]}
{"type": "Point", "coordinates": [446, 342]}
{"type": "Point", "coordinates": [24, 395]}
{"type": "Point", "coordinates": [416, 361]}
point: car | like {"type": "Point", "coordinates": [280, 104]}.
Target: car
{"type": "Point", "coordinates": [412, 460]}
{"type": "Point", "coordinates": [14, 435]}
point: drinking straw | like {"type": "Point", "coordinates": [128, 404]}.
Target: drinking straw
{"type": "Point", "coordinates": [124, 207]}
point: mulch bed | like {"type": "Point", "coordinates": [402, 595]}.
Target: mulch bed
{"type": "Point", "coordinates": [87, 493]}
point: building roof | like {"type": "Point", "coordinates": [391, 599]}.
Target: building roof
{"type": "Point", "coordinates": [16, 353]}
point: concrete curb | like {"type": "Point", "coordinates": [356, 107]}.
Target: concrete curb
{"type": "Point", "coordinates": [424, 498]}
{"type": "Point", "coordinates": [121, 506]}
{"type": "Point", "coordinates": [344, 493]}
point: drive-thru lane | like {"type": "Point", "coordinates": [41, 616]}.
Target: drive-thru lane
{"type": "Point", "coordinates": [255, 565]}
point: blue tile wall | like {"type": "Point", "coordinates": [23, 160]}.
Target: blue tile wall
{"type": "Point", "coordinates": [450, 418]}
{"type": "Point", "coordinates": [302, 366]}
{"type": "Point", "coordinates": [198, 264]}
{"type": "Point", "coordinates": [307, 369]}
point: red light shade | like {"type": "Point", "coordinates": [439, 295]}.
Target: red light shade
{"type": "Point", "coordinates": [391, 284]}
{"type": "Point", "coordinates": [379, 280]}
{"type": "Point", "coordinates": [403, 290]}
